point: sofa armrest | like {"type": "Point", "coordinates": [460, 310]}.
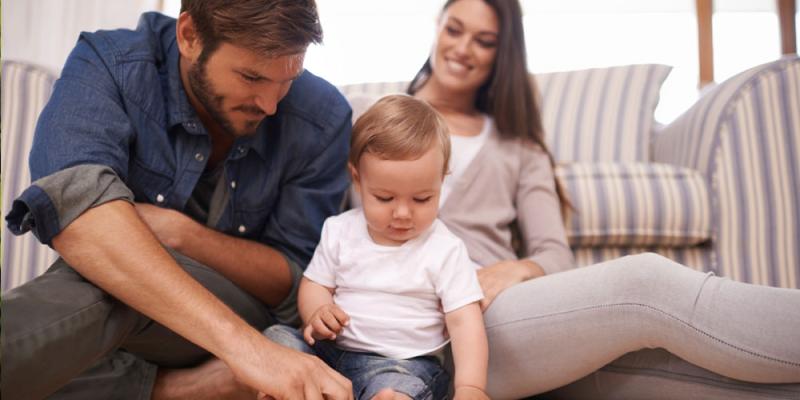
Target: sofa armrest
{"type": "Point", "coordinates": [743, 136]}
{"type": "Point", "coordinates": [26, 89]}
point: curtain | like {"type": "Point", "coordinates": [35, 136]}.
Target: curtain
{"type": "Point", "coordinates": [43, 32]}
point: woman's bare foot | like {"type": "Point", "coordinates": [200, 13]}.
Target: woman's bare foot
{"type": "Point", "coordinates": [389, 394]}
{"type": "Point", "coordinates": [211, 380]}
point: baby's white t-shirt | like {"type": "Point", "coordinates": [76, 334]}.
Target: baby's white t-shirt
{"type": "Point", "coordinates": [396, 296]}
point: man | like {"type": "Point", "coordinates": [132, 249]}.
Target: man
{"type": "Point", "coordinates": [203, 136]}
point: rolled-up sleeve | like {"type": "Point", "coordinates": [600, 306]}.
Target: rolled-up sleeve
{"type": "Point", "coordinates": [539, 213]}
{"type": "Point", "coordinates": [80, 151]}
{"type": "Point", "coordinates": [53, 202]}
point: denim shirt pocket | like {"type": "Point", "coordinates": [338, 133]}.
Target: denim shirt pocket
{"type": "Point", "coordinates": [149, 185]}
{"type": "Point", "coordinates": [250, 223]}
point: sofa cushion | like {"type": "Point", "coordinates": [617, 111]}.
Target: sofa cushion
{"type": "Point", "coordinates": [601, 114]}
{"type": "Point", "coordinates": [636, 204]}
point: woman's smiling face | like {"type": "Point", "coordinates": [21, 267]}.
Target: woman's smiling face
{"type": "Point", "coordinates": [466, 45]}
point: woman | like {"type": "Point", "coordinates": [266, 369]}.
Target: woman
{"type": "Point", "coordinates": [547, 330]}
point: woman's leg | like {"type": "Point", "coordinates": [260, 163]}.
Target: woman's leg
{"type": "Point", "coordinates": [554, 330]}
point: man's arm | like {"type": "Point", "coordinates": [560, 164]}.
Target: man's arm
{"type": "Point", "coordinates": [103, 238]}
{"type": "Point", "coordinates": [259, 269]}
{"type": "Point", "coordinates": [112, 247]}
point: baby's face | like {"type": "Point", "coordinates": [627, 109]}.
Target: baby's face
{"type": "Point", "coordinates": [400, 198]}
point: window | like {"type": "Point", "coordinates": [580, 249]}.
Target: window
{"type": "Point", "coordinates": [388, 40]}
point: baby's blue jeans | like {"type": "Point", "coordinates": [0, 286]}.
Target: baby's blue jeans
{"type": "Point", "coordinates": [420, 378]}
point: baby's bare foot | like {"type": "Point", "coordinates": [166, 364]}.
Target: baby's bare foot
{"type": "Point", "coordinates": [390, 394]}
{"type": "Point", "coordinates": [211, 380]}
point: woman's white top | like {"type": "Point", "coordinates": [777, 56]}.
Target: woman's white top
{"type": "Point", "coordinates": [462, 151]}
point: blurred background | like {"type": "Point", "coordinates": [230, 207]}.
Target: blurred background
{"type": "Point", "coordinates": [387, 40]}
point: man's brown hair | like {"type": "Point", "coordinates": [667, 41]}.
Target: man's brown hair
{"type": "Point", "coordinates": [399, 127]}
{"type": "Point", "coordinates": [268, 27]}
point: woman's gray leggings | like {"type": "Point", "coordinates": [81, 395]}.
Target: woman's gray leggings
{"type": "Point", "coordinates": [557, 329]}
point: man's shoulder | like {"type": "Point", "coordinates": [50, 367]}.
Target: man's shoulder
{"type": "Point", "coordinates": [149, 42]}
{"type": "Point", "coordinates": [317, 101]}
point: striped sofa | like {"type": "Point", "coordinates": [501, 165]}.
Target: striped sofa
{"type": "Point", "coordinates": [715, 190]}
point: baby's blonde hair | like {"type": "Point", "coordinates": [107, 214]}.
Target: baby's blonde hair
{"type": "Point", "coordinates": [399, 127]}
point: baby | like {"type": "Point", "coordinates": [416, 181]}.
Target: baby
{"type": "Point", "coordinates": [389, 285]}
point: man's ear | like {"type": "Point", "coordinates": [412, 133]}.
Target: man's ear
{"type": "Point", "coordinates": [188, 39]}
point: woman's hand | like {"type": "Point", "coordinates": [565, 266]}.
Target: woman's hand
{"type": "Point", "coordinates": [500, 276]}
{"type": "Point", "coordinates": [325, 323]}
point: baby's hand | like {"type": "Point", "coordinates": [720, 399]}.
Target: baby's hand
{"type": "Point", "coordinates": [325, 323]}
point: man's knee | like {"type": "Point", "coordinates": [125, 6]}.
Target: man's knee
{"type": "Point", "coordinates": [54, 296]}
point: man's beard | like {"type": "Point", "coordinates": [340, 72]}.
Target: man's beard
{"type": "Point", "coordinates": [213, 102]}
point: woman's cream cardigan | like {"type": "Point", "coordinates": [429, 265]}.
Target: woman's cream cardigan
{"type": "Point", "coordinates": [508, 180]}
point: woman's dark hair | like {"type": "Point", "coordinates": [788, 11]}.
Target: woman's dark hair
{"type": "Point", "coordinates": [514, 107]}
{"type": "Point", "coordinates": [268, 27]}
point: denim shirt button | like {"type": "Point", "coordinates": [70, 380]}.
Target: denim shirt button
{"type": "Point", "coordinates": [233, 184]}
{"type": "Point", "coordinates": [242, 229]}
{"type": "Point", "coordinates": [240, 149]}
{"type": "Point", "coordinates": [199, 157]}
{"type": "Point", "coordinates": [160, 198]}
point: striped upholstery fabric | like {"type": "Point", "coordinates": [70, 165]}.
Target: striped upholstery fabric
{"type": "Point", "coordinates": [26, 88]}
{"type": "Point", "coordinates": [636, 205]}
{"type": "Point", "coordinates": [744, 137]}
{"type": "Point", "coordinates": [376, 89]}
{"type": "Point", "coordinates": [601, 114]}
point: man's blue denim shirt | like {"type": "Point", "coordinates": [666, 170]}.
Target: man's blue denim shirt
{"type": "Point", "coordinates": [120, 103]}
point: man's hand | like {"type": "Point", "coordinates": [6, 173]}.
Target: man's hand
{"type": "Point", "coordinates": [257, 268]}
{"type": "Point", "coordinates": [325, 323]}
{"type": "Point", "coordinates": [168, 225]}
{"type": "Point", "coordinates": [281, 373]}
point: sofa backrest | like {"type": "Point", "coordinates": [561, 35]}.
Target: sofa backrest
{"type": "Point", "coordinates": [598, 114]}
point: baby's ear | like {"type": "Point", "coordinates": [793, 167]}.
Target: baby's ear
{"type": "Point", "coordinates": [353, 171]}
